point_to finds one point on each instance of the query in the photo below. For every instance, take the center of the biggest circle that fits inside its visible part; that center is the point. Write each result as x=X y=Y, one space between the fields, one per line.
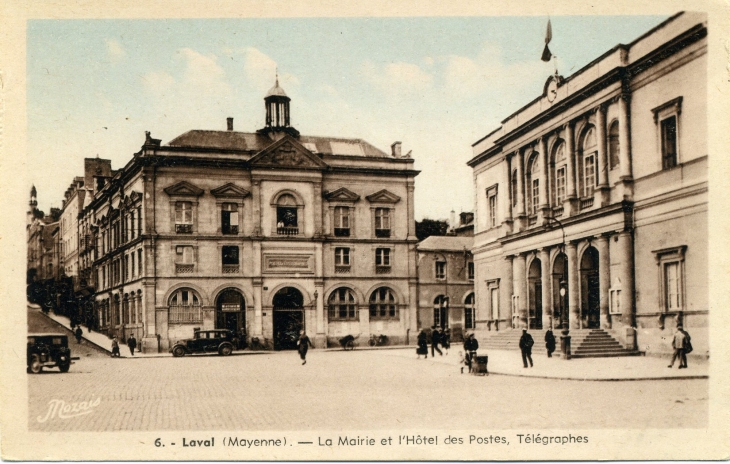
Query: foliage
x=428 y=227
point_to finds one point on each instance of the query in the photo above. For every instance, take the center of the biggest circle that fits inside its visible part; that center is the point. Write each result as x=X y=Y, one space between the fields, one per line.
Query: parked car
x=48 y=350
x=205 y=341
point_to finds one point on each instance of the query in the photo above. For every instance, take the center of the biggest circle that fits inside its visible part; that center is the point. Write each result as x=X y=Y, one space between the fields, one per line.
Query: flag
x=546 y=55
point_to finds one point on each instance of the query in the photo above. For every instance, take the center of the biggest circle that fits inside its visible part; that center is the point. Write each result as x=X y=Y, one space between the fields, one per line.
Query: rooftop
x=445 y=243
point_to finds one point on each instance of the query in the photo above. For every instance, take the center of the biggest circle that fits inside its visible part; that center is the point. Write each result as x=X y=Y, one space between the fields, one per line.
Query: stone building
x=591 y=200
x=260 y=232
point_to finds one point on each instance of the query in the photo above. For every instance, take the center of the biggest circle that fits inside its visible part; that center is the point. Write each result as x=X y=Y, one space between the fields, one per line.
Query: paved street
x=360 y=389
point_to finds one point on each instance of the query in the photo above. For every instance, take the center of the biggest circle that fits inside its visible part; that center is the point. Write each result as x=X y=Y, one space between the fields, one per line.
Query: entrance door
x=534 y=317
x=230 y=311
x=288 y=318
x=590 y=289
x=593 y=315
x=537 y=321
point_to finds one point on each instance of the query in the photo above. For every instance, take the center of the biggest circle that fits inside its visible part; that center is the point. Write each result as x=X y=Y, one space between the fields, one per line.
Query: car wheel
x=178 y=351
x=64 y=367
x=225 y=350
x=35 y=364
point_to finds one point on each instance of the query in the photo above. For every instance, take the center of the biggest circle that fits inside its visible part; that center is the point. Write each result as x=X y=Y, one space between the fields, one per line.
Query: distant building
x=591 y=204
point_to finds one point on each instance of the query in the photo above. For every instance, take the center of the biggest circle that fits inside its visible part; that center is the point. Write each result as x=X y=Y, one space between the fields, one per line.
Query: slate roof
x=445 y=243
x=245 y=141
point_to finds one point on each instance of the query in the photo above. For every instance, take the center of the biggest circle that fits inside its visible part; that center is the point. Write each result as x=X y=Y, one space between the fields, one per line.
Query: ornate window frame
x=663 y=112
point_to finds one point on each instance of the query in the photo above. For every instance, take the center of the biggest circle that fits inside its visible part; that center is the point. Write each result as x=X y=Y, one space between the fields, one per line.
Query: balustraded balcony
x=586 y=203
x=382 y=233
x=558 y=211
x=184 y=228
x=287 y=230
x=342 y=269
x=382 y=269
x=184 y=268
x=231 y=269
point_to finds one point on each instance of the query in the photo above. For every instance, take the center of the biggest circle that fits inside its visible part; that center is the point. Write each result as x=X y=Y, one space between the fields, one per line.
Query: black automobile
x=205 y=341
x=48 y=350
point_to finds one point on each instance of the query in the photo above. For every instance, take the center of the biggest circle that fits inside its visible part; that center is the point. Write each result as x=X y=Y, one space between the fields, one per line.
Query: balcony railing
x=382 y=233
x=532 y=220
x=287 y=230
x=342 y=269
x=382 y=269
x=230 y=230
x=558 y=211
x=342 y=231
x=231 y=269
x=586 y=203
x=184 y=228
x=184 y=268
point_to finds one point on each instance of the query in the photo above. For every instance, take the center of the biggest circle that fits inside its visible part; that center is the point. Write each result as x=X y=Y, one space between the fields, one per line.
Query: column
x=547 y=289
x=256 y=207
x=544 y=179
x=571 y=200
x=321 y=336
x=625 y=253
x=411 y=210
x=573 y=303
x=520 y=287
x=506 y=290
x=521 y=220
x=317 y=197
x=602 y=195
x=258 y=327
x=624 y=138
x=604 y=279
x=149 y=340
x=504 y=197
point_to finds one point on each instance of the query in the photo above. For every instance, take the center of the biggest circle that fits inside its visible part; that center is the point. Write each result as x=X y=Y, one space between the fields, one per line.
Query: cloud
x=115 y=50
x=260 y=70
x=398 y=78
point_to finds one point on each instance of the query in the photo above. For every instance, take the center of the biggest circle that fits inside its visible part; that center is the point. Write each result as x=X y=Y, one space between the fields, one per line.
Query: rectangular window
x=139 y=261
x=342 y=221
x=184 y=254
x=560 y=186
x=132 y=267
x=493 y=211
x=470 y=270
x=230 y=255
x=126 y=267
x=287 y=220
x=183 y=217
x=229 y=218
x=132 y=223
x=441 y=270
x=342 y=256
x=535 y=196
x=672 y=295
x=671 y=278
x=669 y=142
x=382 y=222
x=589 y=166
x=382 y=258
x=469 y=318
x=494 y=302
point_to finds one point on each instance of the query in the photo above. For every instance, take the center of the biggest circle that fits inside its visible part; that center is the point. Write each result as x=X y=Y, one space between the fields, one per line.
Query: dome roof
x=276 y=91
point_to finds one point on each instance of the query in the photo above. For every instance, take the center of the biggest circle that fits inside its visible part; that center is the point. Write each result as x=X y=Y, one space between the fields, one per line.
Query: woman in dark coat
x=422 y=344
x=303 y=345
x=550 y=342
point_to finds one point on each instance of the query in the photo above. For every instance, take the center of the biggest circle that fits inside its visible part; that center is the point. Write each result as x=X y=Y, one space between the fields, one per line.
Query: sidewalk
x=509 y=362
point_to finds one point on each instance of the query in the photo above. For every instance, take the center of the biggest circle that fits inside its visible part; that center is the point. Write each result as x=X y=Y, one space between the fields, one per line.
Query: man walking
x=303 y=344
x=678 y=343
x=132 y=344
x=526 y=343
x=435 y=340
x=78 y=333
x=471 y=345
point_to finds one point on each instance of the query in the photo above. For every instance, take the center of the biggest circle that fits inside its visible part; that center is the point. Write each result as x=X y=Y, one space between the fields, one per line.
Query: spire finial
x=277 y=76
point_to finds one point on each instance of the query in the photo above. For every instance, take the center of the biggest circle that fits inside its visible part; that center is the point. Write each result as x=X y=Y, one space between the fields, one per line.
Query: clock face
x=552 y=91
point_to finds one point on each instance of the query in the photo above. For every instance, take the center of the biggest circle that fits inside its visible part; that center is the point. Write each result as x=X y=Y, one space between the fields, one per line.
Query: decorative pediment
x=229 y=190
x=135 y=196
x=383 y=196
x=342 y=194
x=184 y=189
x=287 y=153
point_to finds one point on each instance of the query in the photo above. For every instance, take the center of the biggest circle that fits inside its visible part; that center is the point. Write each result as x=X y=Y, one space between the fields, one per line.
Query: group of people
x=131 y=343
x=439 y=339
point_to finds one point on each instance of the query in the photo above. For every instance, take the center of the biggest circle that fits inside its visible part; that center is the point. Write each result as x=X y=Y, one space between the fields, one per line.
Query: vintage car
x=48 y=350
x=219 y=341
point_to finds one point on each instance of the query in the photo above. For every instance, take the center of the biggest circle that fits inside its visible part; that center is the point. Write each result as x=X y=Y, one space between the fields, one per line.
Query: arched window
x=139 y=306
x=341 y=305
x=560 y=169
x=469 y=315
x=287 y=221
x=185 y=307
x=533 y=184
x=383 y=304
x=588 y=154
x=613 y=145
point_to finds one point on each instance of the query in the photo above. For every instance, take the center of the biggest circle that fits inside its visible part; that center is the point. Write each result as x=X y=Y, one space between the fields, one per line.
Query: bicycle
x=378 y=340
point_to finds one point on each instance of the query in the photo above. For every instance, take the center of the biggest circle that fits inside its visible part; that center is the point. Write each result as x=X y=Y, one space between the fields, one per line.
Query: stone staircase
x=586 y=343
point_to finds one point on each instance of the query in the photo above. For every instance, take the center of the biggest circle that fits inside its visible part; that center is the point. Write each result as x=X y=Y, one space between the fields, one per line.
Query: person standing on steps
x=132 y=344
x=549 y=342
x=303 y=345
x=526 y=343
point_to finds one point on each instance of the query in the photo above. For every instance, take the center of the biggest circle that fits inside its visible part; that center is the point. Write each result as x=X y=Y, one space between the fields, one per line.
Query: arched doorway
x=534 y=279
x=230 y=311
x=560 y=292
x=590 y=294
x=288 y=318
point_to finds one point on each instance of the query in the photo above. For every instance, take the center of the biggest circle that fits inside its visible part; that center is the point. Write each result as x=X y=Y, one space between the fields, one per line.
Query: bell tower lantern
x=278 y=114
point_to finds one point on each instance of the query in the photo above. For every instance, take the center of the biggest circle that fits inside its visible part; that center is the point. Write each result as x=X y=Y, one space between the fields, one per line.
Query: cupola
x=278 y=114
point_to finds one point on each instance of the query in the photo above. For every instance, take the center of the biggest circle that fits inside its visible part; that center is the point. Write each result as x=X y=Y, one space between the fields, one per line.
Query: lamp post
x=564 y=323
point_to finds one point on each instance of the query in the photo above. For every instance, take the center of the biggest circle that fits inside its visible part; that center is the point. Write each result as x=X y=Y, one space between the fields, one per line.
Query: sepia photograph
x=274 y=231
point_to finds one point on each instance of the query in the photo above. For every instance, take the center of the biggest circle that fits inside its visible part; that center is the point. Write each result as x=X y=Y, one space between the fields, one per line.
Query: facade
x=591 y=201
x=446 y=284
x=263 y=233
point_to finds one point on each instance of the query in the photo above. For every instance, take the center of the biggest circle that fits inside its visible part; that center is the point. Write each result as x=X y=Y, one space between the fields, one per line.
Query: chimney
x=230 y=124
x=395 y=149
x=452 y=220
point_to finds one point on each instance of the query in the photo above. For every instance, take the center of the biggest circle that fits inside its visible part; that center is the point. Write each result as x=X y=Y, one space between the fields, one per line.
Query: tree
x=428 y=227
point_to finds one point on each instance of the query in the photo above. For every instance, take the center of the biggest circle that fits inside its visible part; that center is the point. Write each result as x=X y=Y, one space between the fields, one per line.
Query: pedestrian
x=446 y=339
x=115 y=348
x=687 y=345
x=471 y=345
x=303 y=345
x=526 y=343
x=422 y=344
x=78 y=333
x=132 y=344
x=679 y=343
x=550 y=342
x=435 y=340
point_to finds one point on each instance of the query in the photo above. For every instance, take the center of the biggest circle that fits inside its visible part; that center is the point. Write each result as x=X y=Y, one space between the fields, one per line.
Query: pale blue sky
x=436 y=84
